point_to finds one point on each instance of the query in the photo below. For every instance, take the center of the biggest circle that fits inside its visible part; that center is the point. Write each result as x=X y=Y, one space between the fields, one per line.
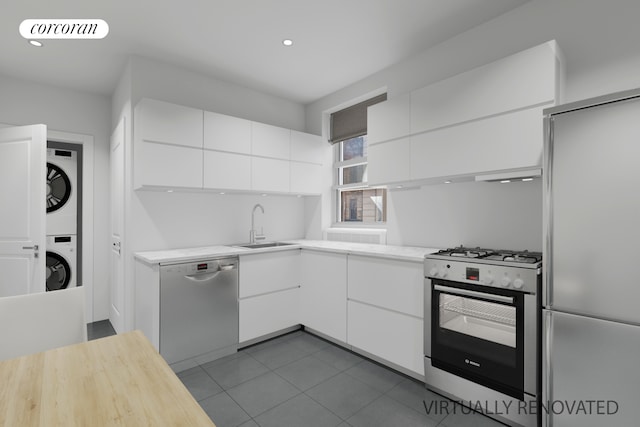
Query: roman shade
x=352 y=121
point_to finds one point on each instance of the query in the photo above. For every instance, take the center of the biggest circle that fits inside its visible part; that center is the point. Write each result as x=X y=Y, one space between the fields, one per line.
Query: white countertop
x=405 y=253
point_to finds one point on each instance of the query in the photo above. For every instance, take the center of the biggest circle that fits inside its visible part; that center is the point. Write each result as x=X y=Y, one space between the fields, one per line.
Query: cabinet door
x=389 y=162
x=159 y=121
x=264 y=314
x=306 y=178
x=167 y=165
x=227 y=133
x=270 y=141
x=269 y=175
x=227 y=171
x=508 y=141
x=269 y=272
x=308 y=148
x=389 y=119
x=392 y=284
x=323 y=297
x=518 y=81
x=393 y=336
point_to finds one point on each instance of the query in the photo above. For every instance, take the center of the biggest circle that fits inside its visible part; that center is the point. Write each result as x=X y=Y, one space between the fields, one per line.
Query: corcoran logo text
x=32 y=29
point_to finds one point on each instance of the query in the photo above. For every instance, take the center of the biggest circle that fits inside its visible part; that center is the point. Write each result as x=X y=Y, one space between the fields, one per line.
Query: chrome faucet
x=253 y=236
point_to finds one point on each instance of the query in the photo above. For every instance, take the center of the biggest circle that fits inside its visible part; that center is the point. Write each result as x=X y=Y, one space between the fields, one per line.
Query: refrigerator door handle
x=547 y=369
x=547 y=264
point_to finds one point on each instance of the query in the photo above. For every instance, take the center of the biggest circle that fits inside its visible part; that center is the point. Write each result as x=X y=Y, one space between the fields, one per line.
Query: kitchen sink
x=263 y=245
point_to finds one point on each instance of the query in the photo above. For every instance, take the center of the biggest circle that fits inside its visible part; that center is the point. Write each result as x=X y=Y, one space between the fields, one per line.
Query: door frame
x=87 y=208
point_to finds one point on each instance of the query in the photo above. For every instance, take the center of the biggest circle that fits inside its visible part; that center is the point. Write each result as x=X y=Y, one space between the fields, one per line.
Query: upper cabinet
x=226 y=133
x=168 y=145
x=482 y=121
x=270 y=141
x=182 y=147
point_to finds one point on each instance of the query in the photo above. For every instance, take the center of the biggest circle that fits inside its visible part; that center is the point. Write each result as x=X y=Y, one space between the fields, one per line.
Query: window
x=356 y=201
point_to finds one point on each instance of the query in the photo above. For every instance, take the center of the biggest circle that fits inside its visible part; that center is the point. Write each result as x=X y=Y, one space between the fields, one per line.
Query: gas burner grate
x=462 y=252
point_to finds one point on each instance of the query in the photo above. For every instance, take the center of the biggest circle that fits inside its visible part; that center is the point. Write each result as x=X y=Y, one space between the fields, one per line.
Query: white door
x=116 y=308
x=22 y=209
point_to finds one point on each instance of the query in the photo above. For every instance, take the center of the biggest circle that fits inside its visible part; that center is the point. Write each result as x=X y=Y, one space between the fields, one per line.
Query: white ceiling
x=336 y=42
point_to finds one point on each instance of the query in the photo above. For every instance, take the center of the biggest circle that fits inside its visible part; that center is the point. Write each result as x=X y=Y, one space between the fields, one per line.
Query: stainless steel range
x=482 y=336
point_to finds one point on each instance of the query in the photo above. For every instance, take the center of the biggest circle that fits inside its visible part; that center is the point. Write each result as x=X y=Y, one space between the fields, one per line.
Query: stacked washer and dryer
x=62 y=219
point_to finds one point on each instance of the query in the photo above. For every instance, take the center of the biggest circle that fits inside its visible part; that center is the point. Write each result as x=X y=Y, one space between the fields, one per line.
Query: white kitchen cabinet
x=392 y=336
x=389 y=119
x=389 y=162
x=323 y=293
x=166 y=165
x=226 y=133
x=308 y=148
x=386 y=299
x=265 y=314
x=268 y=272
x=226 y=171
x=270 y=175
x=392 y=284
x=306 y=178
x=483 y=121
x=524 y=79
x=507 y=141
x=270 y=141
x=269 y=288
x=167 y=145
x=163 y=122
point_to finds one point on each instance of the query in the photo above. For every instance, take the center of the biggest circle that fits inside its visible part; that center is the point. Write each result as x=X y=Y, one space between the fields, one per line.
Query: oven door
x=478 y=333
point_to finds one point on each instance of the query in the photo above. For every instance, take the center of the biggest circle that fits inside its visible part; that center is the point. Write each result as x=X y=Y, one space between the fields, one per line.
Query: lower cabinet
x=387 y=334
x=264 y=314
x=269 y=293
x=323 y=293
x=386 y=299
x=369 y=303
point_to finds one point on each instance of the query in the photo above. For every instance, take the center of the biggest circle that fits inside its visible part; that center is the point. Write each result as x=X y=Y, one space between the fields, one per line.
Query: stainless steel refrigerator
x=591 y=293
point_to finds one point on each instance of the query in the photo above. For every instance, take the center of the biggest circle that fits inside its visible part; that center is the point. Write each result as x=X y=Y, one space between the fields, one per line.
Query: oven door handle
x=465 y=292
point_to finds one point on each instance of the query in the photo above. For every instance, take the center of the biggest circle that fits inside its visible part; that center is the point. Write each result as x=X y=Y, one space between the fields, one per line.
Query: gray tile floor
x=99 y=329
x=300 y=380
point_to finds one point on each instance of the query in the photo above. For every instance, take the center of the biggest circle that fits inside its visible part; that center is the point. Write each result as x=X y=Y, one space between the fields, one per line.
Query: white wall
x=473 y=214
x=599 y=42
x=179 y=219
x=66 y=110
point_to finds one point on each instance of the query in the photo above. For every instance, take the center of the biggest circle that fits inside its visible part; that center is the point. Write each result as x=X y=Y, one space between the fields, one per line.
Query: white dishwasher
x=198 y=311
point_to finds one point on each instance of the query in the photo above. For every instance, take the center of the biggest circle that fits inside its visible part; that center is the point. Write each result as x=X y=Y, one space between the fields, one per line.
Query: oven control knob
x=518 y=283
x=506 y=281
x=433 y=272
x=488 y=279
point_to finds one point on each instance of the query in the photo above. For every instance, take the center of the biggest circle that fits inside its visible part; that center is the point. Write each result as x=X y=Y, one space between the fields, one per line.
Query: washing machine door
x=58 y=272
x=58 y=188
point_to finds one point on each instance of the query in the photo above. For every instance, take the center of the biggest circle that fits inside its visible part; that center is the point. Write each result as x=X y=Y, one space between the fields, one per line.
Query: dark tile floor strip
x=300 y=380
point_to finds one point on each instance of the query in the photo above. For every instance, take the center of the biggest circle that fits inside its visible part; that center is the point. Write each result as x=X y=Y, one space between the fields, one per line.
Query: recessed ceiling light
x=169 y=191
x=527 y=179
x=35 y=43
x=222 y=192
x=447 y=182
x=287 y=42
x=505 y=181
x=264 y=195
